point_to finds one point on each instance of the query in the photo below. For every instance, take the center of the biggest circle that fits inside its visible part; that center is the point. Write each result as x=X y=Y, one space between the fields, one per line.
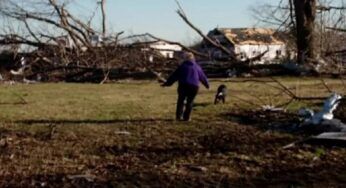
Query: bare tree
x=103 y=4
x=45 y=19
x=305 y=14
x=314 y=26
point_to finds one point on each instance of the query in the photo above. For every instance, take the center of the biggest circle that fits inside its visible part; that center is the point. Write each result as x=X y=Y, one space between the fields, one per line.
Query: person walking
x=189 y=76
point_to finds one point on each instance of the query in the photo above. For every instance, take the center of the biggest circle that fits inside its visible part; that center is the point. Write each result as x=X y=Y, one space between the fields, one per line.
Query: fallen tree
x=80 y=53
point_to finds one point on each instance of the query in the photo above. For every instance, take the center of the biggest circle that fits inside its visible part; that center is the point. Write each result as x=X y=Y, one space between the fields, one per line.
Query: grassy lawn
x=124 y=135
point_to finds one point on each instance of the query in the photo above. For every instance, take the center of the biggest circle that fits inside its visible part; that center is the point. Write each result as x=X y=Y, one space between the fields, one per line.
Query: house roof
x=153 y=41
x=149 y=42
x=251 y=36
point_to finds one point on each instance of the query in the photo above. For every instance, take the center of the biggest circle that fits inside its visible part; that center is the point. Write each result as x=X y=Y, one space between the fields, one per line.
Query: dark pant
x=185 y=93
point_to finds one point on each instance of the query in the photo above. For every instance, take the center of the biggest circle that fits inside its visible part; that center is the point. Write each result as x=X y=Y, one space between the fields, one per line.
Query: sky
x=158 y=17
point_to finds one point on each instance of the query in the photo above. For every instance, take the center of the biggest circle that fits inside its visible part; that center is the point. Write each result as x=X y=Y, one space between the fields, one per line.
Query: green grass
x=87 y=118
x=134 y=100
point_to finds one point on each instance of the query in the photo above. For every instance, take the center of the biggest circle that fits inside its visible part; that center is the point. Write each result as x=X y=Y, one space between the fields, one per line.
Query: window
x=278 y=52
x=242 y=55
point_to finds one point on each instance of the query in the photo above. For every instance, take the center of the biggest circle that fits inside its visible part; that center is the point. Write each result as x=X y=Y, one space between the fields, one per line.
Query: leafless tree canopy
x=64 y=42
x=67 y=47
x=316 y=28
x=36 y=22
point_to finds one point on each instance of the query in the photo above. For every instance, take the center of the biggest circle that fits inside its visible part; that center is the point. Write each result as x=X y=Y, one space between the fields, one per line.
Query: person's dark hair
x=188 y=56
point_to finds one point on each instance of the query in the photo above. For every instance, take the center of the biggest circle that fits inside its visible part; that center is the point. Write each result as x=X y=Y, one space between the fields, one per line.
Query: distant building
x=165 y=49
x=9 y=48
x=246 y=43
x=64 y=41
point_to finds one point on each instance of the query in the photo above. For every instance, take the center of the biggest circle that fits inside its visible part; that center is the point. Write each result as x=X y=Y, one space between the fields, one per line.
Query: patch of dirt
x=204 y=154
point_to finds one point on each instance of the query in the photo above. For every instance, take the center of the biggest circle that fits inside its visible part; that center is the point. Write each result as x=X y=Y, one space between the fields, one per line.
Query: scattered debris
x=195 y=168
x=322 y=121
x=327 y=112
x=270 y=108
x=21 y=69
x=122 y=133
x=3 y=143
x=89 y=178
x=329 y=139
x=26 y=81
x=305 y=113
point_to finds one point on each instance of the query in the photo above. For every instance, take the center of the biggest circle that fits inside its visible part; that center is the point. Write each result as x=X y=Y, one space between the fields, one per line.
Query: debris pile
x=324 y=120
x=97 y=64
x=322 y=127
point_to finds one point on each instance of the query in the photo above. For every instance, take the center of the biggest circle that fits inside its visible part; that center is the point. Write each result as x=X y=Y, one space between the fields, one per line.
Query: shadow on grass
x=13 y=103
x=203 y=104
x=92 y=121
x=280 y=121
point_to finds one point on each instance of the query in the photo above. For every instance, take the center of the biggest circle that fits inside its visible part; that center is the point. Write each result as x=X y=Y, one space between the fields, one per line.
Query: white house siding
x=9 y=48
x=167 y=50
x=252 y=50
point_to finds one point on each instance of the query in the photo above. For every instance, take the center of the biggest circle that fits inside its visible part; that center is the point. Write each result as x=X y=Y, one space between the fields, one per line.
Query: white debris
x=22 y=61
x=272 y=108
x=26 y=81
x=122 y=133
x=306 y=113
x=11 y=82
x=87 y=177
x=325 y=114
x=21 y=70
x=231 y=73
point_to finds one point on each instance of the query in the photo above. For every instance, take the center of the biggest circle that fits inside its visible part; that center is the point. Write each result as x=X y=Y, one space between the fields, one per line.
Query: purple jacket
x=188 y=73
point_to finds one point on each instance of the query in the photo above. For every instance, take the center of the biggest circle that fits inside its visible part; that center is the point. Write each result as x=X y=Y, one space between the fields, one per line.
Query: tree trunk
x=305 y=11
x=103 y=17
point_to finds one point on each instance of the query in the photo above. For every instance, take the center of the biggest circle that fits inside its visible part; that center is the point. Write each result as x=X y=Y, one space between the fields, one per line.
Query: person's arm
x=172 y=78
x=203 y=78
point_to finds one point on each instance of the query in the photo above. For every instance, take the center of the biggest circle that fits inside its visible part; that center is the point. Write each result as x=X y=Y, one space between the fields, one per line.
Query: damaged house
x=246 y=43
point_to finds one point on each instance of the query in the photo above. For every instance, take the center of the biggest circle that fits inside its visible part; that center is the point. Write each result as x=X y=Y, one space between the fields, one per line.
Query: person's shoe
x=187 y=120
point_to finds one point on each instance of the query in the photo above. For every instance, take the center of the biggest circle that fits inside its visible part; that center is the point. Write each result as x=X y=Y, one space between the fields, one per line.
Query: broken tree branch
x=206 y=38
x=336 y=29
x=102 y=2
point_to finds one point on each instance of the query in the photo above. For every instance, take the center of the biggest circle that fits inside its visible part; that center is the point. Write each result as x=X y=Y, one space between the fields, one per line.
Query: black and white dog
x=221 y=94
